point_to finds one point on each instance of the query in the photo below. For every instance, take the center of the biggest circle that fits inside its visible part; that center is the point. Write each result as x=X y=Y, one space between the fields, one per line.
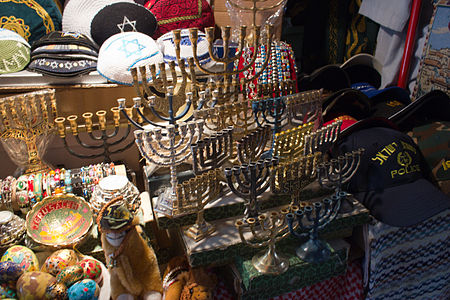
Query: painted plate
x=61 y=220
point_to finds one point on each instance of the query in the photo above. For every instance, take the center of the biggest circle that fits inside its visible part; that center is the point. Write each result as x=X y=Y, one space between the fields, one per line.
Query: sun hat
x=14 y=52
x=78 y=14
x=180 y=14
x=126 y=50
x=167 y=46
x=30 y=19
x=122 y=17
x=393 y=179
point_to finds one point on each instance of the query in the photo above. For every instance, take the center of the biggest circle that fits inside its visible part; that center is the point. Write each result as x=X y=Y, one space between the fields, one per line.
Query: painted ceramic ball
x=86 y=289
x=59 y=260
x=23 y=256
x=92 y=269
x=70 y=275
x=10 y=271
x=6 y=292
x=56 y=291
x=32 y=285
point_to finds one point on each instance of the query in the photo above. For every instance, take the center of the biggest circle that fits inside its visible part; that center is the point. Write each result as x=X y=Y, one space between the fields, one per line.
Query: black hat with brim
x=393 y=180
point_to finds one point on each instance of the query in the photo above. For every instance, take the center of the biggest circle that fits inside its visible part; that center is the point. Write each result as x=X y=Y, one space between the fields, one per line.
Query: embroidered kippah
x=122 y=17
x=179 y=14
x=78 y=14
x=126 y=50
x=14 y=52
x=29 y=18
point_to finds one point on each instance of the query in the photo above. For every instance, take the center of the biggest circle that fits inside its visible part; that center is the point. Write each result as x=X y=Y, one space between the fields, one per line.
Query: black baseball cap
x=349 y=102
x=431 y=107
x=393 y=179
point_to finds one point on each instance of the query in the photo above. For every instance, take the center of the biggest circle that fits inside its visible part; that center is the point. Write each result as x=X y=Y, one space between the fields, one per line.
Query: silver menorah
x=252 y=146
x=250 y=181
x=323 y=138
x=267 y=234
x=310 y=219
x=170 y=147
x=213 y=151
x=304 y=107
x=337 y=171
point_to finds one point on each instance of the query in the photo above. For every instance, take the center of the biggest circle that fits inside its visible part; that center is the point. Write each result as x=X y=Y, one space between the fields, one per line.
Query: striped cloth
x=408 y=262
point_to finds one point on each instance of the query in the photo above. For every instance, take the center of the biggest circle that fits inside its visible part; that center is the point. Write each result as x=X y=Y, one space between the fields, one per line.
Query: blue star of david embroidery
x=131 y=47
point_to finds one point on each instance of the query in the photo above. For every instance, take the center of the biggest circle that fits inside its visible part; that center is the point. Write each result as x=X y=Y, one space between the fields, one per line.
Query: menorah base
x=165 y=203
x=314 y=251
x=35 y=168
x=270 y=262
x=197 y=232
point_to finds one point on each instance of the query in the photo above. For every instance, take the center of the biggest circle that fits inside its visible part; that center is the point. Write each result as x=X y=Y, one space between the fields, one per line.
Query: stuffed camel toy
x=131 y=262
x=186 y=283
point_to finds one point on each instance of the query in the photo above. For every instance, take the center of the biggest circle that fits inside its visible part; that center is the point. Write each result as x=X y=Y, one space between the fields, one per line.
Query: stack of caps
x=12 y=229
x=14 y=52
x=63 y=54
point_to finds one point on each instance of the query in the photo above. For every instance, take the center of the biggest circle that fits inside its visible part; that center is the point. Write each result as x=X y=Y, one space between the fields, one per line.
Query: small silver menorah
x=323 y=138
x=252 y=146
x=337 y=171
x=249 y=181
x=168 y=146
x=213 y=151
x=310 y=219
x=266 y=234
x=304 y=107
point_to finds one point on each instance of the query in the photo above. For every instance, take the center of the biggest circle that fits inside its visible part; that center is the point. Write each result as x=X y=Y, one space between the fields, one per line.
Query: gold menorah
x=266 y=231
x=290 y=143
x=237 y=114
x=101 y=144
x=292 y=176
x=26 y=125
x=192 y=196
x=226 y=60
x=304 y=107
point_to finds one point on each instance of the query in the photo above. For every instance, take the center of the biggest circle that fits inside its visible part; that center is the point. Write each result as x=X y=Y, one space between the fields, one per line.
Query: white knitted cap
x=78 y=14
x=9 y=35
x=126 y=50
x=167 y=46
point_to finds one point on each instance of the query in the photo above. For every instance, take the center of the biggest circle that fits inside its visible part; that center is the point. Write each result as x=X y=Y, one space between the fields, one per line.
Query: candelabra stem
x=270 y=262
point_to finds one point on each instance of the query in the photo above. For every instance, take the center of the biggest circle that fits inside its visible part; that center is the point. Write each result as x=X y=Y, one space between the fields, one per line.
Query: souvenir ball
x=59 y=260
x=167 y=46
x=32 y=285
x=92 y=269
x=6 y=292
x=22 y=256
x=56 y=291
x=85 y=289
x=10 y=271
x=124 y=51
x=70 y=275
